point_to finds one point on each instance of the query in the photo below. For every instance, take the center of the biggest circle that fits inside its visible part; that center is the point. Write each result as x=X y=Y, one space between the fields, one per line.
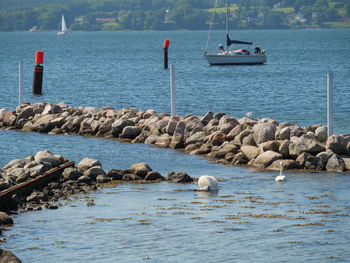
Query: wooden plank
x=27 y=186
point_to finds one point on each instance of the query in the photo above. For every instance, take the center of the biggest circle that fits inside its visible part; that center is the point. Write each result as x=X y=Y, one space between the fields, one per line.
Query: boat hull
x=227 y=59
x=61 y=33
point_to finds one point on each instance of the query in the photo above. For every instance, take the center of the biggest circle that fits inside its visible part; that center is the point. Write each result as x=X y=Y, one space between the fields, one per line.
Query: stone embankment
x=260 y=143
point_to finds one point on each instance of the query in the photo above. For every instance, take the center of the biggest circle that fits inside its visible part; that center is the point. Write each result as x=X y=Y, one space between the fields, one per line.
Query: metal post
x=20 y=98
x=330 y=104
x=172 y=90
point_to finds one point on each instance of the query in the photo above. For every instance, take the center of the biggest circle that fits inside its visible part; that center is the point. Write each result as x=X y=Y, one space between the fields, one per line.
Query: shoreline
x=255 y=143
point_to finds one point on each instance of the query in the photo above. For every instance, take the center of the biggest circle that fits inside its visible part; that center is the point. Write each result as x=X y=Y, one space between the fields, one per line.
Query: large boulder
x=304 y=143
x=264 y=132
x=321 y=134
x=47 y=156
x=8 y=257
x=140 y=169
x=336 y=144
x=163 y=141
x=207 y=118
x=335 y=164
x=87 y=163
x=266 y=158
x=5 y=219
x=119 y=125
x=153 y=175
x=250 y=151
x=195 y=138
x=179 y=177
x=130 y=132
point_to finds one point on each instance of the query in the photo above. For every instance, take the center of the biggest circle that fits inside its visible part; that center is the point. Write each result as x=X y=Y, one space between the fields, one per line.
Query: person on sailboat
x=221 y=49
x=257 y=50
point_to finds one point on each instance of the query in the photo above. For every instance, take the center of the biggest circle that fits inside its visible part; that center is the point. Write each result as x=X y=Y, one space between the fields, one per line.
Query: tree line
x=20 y=15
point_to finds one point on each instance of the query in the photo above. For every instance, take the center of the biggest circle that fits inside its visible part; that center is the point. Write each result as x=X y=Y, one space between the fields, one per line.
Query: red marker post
x=38 y=73
x=165 y=49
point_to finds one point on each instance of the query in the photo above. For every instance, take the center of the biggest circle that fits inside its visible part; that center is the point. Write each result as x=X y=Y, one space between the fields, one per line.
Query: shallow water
x=251 y=218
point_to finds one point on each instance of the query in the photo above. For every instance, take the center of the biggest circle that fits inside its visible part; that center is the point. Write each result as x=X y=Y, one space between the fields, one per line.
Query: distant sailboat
x=63 y=28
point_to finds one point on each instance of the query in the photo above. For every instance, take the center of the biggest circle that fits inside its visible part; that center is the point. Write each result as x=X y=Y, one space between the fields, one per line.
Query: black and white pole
x=172 y=90
x=20 y=91
x=330 y=104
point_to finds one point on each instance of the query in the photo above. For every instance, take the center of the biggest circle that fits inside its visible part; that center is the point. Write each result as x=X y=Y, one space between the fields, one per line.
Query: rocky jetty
x=260 y=143
x=86 y=176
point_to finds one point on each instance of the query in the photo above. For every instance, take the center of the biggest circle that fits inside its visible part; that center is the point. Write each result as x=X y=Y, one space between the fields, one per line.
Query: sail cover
x=229 y=42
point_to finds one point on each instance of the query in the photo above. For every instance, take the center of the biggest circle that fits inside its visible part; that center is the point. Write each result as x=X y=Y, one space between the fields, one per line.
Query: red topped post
x=38 y=73
x=165 y=50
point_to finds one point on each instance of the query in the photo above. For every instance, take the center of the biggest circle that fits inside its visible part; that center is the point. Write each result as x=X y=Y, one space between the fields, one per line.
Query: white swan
x=280 y=177
x=207 y=183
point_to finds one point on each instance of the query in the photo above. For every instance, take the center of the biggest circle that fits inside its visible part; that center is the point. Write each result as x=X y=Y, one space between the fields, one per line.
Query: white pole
x=172 y=90
x=20 y=83
x=330 y=104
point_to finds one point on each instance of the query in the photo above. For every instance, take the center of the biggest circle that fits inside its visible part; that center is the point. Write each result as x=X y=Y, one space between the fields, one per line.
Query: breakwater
x=260 y=143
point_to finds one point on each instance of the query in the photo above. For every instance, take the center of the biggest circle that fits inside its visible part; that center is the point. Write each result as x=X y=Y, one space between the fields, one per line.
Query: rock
x=179 y=177
x=239 y=138
x=71 y=173
x=103 y=178
x=9 y=118
x=288 y=164
x=264 y=132
x=17 y=163
x=250 y=152
x=195 y=138
x=131 y=177
x=336 y=144
x=347 y=163
x=119 y=125
x=239 y=159
x=140 y=169
x=266 y=158
x=84 y=179
x=284 y=148
x=43 y=124
x=335 y=164
x=321 y=134
x=8 y=257
x=177 y=141
x=304 y=144
x=26 y=113
x=87 y=163
x=249 y=140
x=5 y=219
x=163 y=141
x=171 y=127
x=93 y=172
x=219 y=139
x=325 y=156
x=180 y=128
x=284 y=133
x=52 y=109
x=207 y=117
x=118 y=174
x=269 y=146
x=151 y=139
x=234 y=132
x=46 y=156
x=302 y=158
x=153 y=175
x=130 y=132
x=310 y=162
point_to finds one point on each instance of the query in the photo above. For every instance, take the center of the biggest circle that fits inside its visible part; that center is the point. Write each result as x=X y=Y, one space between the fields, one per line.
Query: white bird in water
x=207 y=183
x=280 y=177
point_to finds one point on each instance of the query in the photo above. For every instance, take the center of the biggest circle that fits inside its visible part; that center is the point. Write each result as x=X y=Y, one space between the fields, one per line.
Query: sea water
x=251 y=218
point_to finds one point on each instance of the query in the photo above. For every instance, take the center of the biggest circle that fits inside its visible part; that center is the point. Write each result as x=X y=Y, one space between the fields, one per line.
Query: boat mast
x=226 y=17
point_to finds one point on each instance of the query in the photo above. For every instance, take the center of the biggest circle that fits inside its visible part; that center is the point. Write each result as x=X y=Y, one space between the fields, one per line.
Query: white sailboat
x=233 y=57
x=63 y=28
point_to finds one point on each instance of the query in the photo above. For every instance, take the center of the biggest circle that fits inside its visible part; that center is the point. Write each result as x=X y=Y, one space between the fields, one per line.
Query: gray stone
x=179 y=177
x=140 y=169
x=250 y=152
x=266 y=158
x=87 y=163
x=336 y=144
x=163 y=141
x=46 y=156
x=153 y=175
x=119 y=125
x=197 y=137
x=335 y=164
x=207 y=117
x=130 y=132
x=93 y=172
x=5 y=219
x=264 y=132
x=304 y=144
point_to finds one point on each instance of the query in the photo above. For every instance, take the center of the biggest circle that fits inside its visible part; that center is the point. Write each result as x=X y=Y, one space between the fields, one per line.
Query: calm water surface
x=251 y=218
